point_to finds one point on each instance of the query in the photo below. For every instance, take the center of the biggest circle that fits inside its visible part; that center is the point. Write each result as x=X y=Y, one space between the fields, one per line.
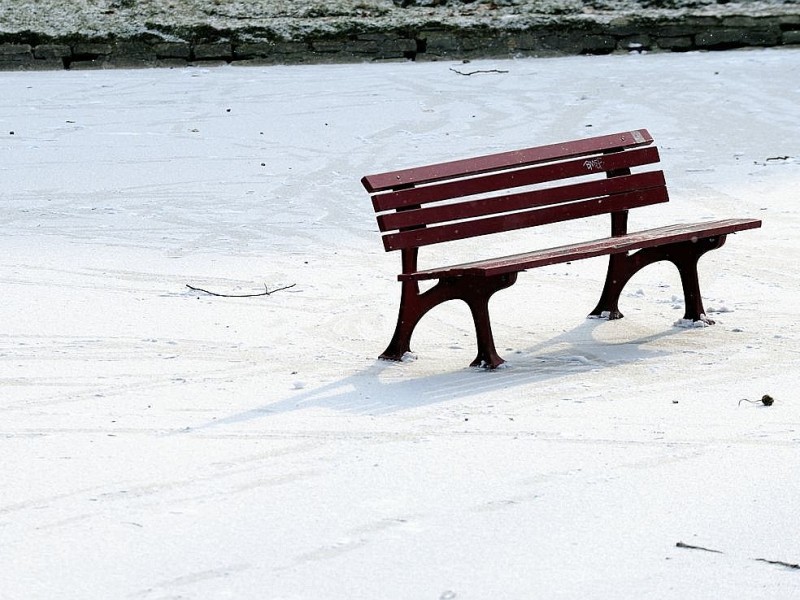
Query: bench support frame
x=475 y=291
x=684 y=255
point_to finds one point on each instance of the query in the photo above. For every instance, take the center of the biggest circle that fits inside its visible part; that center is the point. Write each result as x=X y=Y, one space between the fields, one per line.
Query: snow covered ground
x=162 y=443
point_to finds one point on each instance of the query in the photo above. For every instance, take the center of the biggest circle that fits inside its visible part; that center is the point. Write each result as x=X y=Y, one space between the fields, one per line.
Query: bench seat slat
x=516 y=178
x=416 y=238
x=612 y=245
x=504 y=160
x=520 y=201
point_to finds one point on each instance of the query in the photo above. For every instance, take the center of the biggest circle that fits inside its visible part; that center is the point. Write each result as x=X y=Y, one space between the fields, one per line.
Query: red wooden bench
x=502 y=192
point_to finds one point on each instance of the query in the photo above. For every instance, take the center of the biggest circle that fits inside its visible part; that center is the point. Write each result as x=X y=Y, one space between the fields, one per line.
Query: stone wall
x=29 y=51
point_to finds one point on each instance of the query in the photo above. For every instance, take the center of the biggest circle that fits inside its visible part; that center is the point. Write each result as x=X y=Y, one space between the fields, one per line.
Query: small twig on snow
x=467 y=74
x=779 y=562
x=266 y=292
x=690 y=547
x=766 y=400
x=764 y=560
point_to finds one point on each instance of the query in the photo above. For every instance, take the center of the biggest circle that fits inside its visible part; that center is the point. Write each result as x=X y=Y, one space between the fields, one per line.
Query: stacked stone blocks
x=431 y=43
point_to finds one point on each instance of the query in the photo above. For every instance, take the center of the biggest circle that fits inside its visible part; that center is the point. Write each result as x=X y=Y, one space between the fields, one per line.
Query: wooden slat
x=470 y=209
x=612 y=245
x=519 y=220
x=516 y=178
x=504 y=160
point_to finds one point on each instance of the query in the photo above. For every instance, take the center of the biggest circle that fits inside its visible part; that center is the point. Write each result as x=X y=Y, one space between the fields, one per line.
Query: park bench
x=525 y=188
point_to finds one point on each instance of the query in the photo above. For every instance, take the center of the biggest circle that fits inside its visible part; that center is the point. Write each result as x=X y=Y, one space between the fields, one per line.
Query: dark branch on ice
x=266 y=292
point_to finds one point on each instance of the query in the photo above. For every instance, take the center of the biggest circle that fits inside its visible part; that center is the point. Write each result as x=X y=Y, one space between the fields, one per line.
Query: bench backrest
x=472 y=197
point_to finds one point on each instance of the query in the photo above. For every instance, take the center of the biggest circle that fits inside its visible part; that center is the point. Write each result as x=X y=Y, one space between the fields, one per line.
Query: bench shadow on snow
x=386 y=387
